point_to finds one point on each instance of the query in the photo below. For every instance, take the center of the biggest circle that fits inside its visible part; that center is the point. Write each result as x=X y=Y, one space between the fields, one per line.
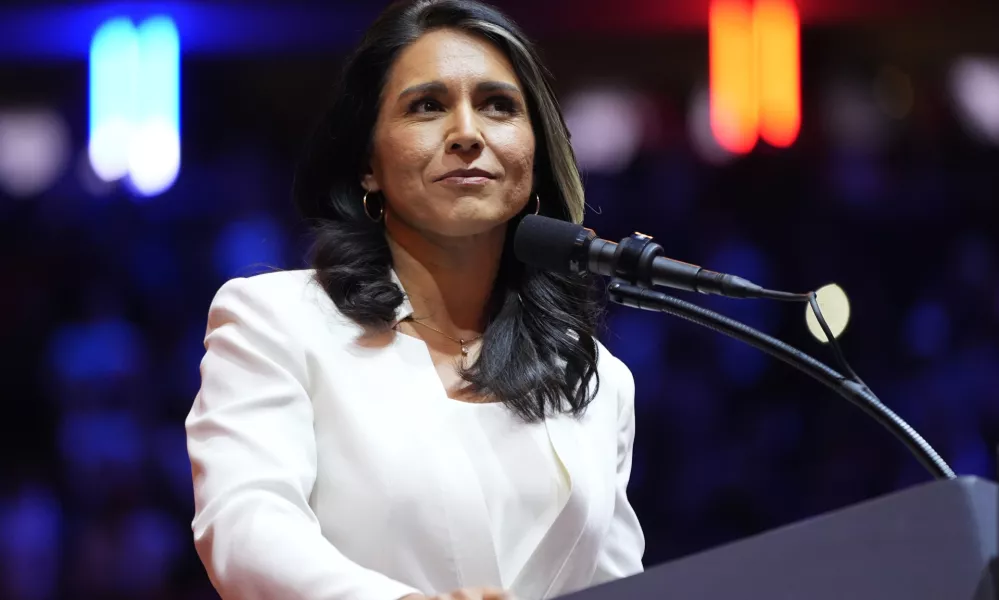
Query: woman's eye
x=502 y=104
x=424 y=105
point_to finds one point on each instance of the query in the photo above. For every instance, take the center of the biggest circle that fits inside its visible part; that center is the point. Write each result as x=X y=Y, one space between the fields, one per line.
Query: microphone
x=561 y=246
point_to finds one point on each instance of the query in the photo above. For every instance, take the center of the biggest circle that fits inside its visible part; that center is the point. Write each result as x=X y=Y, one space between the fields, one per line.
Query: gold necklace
x=460 y=341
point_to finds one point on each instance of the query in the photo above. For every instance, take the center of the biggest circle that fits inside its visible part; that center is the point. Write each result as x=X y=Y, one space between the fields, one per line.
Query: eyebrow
x=437 y=87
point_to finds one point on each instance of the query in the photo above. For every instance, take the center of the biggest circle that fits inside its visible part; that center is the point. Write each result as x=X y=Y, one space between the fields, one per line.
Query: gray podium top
x=935 y=541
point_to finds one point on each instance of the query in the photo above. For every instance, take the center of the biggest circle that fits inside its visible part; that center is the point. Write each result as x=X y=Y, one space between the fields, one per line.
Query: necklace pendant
x=464 y=348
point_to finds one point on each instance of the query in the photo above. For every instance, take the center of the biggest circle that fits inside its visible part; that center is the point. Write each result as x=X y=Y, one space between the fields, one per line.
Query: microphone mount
x=635 y=255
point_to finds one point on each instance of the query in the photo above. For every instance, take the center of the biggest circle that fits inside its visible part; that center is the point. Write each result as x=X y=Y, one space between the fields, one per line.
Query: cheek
x=515 y=147
x=403 y=155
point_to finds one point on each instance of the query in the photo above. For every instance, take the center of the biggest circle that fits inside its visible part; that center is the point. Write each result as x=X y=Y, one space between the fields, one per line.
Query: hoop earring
x=364 y=206
x=537 y=206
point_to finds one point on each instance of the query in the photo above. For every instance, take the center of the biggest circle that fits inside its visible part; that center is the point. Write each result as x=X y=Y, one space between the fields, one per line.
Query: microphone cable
x=813 y=301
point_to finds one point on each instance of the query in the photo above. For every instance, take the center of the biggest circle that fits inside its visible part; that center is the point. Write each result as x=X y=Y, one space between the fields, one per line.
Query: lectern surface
x=936 y=541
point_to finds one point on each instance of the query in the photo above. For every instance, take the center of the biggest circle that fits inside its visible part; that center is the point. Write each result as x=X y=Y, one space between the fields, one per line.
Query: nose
x=465 y=135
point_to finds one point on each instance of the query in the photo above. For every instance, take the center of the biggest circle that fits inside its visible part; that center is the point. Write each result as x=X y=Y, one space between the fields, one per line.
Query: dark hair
x=538 y=351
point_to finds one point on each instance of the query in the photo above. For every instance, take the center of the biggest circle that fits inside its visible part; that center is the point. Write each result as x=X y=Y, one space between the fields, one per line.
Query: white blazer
x=318 y=474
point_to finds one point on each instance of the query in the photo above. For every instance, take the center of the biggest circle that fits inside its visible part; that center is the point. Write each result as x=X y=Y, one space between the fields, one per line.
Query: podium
x=935 y=541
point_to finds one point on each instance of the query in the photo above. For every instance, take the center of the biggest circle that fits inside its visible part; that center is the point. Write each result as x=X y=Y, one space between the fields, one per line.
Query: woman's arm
x=623 y=547
x=253 y=457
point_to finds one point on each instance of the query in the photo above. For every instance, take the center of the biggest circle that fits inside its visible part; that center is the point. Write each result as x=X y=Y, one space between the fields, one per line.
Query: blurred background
x=146 y=156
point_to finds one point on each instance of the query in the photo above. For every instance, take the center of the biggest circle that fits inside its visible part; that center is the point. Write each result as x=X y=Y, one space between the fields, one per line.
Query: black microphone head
x=551 y=244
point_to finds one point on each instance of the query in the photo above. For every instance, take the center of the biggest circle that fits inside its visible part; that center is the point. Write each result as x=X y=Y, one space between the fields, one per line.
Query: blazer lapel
x=467 y=515
x=564 y=555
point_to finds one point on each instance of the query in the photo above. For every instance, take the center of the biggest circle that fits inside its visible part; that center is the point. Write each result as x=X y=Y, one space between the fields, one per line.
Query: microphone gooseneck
x=636 y=263
x=857 y=393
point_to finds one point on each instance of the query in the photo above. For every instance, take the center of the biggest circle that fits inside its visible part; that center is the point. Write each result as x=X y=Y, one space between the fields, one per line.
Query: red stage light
x=734 y=106
x=778 y=70
x=755 y=72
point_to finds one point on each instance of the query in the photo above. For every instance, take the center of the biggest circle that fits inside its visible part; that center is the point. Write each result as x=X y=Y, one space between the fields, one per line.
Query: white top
x=330 y=465
x=522 y=480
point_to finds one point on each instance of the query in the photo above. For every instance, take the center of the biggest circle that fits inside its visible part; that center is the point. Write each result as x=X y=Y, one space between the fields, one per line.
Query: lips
x=466 y=174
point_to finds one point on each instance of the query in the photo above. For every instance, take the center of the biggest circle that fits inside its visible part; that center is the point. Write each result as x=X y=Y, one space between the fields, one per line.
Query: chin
x=474 y=217
x=468 y=227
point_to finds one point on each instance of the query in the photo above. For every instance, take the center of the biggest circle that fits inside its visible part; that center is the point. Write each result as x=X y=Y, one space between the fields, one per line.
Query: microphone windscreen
x=546 y=243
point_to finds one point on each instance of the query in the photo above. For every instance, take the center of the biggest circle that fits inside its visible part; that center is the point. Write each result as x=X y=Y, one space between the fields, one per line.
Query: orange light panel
x=733 y=97
x=776 y=27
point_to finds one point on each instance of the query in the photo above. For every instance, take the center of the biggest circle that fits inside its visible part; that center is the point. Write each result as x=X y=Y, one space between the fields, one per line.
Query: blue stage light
x=114 y=68
x=135 y=103
x=154 y=156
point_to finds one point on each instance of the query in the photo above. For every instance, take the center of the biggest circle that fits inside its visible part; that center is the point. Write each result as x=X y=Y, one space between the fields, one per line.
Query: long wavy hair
x=538 y=353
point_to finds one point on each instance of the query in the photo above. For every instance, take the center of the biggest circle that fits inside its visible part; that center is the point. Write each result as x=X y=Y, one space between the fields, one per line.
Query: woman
x=419 y=415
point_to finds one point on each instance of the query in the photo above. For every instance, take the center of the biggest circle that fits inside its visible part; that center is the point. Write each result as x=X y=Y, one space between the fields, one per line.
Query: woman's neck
x=449 y=281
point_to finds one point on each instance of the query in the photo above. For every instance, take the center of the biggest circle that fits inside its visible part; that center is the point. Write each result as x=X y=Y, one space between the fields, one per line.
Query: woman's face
x=453 y=150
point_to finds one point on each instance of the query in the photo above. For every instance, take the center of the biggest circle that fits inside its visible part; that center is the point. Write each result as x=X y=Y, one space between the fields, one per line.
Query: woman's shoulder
x=613 y=372
x=271 y=288
x=284 y=296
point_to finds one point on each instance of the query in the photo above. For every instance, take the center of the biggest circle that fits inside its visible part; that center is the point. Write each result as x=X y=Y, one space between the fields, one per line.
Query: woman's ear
x=370 y=183
x=369 y=180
